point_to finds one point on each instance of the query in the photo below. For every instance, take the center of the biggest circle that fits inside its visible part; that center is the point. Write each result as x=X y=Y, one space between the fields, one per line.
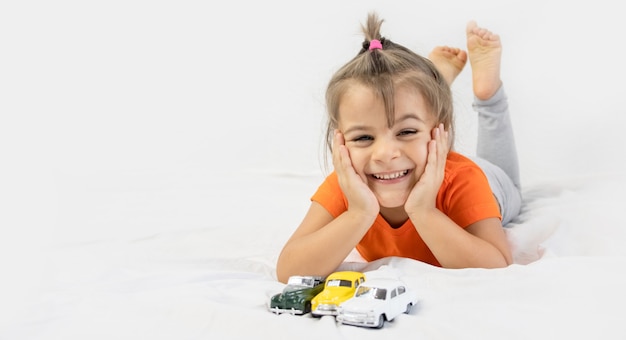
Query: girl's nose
x=385 y=150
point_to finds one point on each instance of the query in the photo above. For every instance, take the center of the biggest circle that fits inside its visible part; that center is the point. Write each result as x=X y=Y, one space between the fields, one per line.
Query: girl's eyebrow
x=402 y=118
x=408 y=116
x=356 y=128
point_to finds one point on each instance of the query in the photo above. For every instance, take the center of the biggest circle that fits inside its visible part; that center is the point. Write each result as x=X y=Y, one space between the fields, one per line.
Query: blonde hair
x=384 y=70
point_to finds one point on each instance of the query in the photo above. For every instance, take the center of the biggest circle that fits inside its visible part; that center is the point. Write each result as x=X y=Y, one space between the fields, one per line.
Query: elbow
x=502 y=262
x=281 y=276
x=505 y=262
x=501 y=265
x=508 y=258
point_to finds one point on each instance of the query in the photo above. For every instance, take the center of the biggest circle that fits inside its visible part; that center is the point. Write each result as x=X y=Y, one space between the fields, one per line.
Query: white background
x=128 y=117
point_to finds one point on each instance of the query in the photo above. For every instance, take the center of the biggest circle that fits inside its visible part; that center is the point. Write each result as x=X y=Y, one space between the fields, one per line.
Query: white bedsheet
x=215 y=282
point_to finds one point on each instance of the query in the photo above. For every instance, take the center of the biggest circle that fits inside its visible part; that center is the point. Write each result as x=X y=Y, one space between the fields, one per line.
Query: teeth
x=392 y=175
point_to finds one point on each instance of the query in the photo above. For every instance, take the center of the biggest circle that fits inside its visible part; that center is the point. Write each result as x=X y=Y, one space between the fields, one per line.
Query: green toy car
x=297 y=295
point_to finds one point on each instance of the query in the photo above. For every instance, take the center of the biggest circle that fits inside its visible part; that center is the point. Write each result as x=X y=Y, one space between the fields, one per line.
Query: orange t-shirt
x=464 y=196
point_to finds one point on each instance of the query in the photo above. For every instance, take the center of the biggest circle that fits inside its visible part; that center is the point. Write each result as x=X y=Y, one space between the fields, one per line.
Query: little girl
x=398 y=188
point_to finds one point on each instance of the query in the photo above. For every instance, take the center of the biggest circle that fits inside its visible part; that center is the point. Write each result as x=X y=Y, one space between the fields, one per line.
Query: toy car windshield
x=338 y=283
x=299 y=282
x=371 y=292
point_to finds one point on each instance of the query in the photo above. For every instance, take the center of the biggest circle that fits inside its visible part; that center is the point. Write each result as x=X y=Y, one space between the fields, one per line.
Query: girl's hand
x=424 y=193
x=360 y=197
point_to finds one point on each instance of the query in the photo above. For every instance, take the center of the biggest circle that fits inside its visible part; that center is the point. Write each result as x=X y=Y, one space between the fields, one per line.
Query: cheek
x=419 y=156
x=423 y=152
x=420 y=152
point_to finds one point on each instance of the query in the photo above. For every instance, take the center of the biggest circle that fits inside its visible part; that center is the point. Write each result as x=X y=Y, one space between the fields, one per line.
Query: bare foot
x=484 y=49
x=449 y=61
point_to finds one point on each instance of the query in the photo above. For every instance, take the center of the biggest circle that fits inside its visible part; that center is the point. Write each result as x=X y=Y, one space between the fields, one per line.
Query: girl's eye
x=363 y=138
x=407 y=132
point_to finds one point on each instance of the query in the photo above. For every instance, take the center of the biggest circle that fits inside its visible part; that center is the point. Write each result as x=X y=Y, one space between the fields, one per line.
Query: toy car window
x=339 y=283
x=294 y=280
x=401 y=290
x=300 y=282
x=393 y=293
x=362 y=291
x=303 y=281
x=308 y=282
x=371 y=292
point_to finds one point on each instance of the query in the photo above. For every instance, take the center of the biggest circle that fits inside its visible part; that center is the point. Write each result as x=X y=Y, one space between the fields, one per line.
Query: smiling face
x=389 y=159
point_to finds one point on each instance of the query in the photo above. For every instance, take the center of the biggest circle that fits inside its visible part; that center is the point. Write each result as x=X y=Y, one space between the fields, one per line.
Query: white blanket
x=215 y=282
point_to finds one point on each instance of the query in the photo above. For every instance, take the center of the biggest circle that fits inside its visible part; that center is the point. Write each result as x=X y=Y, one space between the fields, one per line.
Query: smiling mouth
x=391 y=175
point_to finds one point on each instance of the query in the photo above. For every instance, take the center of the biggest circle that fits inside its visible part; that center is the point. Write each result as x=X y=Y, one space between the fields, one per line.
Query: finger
x=445 y=139
x=435 y=147
x=432 y=152
x=341 y=155
x=442 y=141
x=344 y=155
x=440 y=135
x=431 y=160
x=338 y=141
x=340 y=138
x=437 y=153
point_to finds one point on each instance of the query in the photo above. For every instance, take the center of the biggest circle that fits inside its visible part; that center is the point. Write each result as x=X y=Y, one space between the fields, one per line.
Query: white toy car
x=376 y=301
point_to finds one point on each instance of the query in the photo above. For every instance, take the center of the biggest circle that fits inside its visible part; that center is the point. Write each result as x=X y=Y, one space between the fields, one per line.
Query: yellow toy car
x=339 y=287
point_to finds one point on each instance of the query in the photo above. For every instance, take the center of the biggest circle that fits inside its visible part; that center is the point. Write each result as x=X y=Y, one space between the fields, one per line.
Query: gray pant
x=497 y=155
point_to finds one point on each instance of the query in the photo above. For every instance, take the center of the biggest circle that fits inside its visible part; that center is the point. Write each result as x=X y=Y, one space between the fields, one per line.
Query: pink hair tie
x=375 y=45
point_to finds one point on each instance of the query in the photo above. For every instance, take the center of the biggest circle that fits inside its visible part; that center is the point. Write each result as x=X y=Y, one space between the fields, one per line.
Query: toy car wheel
x=307 y=308
x=408 y=308
x=381 y=321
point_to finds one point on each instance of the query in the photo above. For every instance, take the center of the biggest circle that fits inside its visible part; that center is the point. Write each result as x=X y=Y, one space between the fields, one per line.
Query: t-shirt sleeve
x=467 y=197
x=330 y=196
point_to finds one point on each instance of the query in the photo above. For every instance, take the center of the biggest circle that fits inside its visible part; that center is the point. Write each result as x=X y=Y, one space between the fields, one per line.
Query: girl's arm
x=482 y=244
x=321 y=242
